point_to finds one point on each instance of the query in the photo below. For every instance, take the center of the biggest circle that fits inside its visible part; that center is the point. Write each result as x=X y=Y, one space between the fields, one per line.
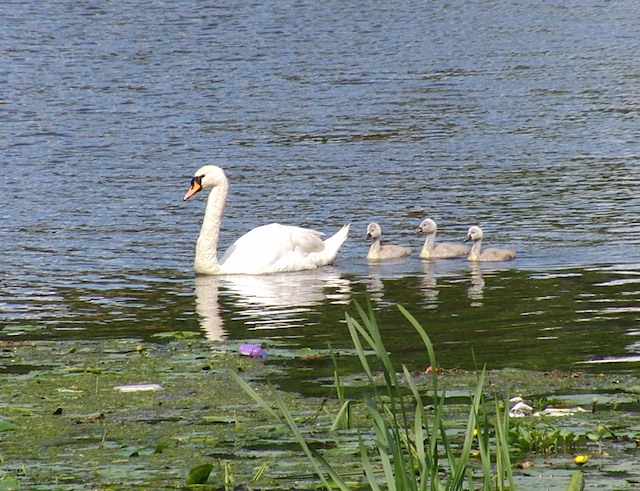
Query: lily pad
x=199 y=475
x=6 y=426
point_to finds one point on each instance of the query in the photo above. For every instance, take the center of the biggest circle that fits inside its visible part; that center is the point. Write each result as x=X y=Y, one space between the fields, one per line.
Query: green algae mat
x=101 y=415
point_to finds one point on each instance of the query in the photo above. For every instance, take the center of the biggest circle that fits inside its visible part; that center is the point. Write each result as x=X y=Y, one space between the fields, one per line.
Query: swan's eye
x=197 y=180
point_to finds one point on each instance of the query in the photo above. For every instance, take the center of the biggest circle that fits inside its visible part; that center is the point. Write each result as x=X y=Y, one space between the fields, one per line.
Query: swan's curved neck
x=206 y=261
x=475 y=249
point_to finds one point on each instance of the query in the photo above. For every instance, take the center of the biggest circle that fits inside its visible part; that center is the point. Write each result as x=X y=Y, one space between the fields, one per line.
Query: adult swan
x=272 y=248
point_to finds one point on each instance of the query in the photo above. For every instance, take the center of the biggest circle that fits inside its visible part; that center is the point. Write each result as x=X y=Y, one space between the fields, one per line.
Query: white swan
x=376 y=251
x=441 y=251
x=492 y=254
x=272 y=248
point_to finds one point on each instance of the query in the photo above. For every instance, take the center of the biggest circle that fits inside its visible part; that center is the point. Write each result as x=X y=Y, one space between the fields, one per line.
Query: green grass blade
x=374 y=339
x=409 y=439
x=342 y=419
x=254 y=395
x=366 y=465
x=485 y=453
x=420 y=438
x=313 y=456
x=354 y=329
x=459 y=467
x=503 y=458
x=426 y=341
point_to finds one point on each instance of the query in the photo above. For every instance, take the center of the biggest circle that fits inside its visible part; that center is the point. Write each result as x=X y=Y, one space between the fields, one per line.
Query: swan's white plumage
x=443 y=250
x=388 y=251
x=491 y=254
x=272 y=248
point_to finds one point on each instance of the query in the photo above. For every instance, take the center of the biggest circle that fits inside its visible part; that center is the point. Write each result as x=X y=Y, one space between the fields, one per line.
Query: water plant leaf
x=577 y=482
x=199 y=475
x=6 y=426
x=9 y=484
x=342 y=450
x=177 y=334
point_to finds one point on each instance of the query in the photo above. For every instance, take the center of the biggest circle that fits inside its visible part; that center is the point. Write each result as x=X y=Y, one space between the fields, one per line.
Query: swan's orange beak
x=195 y=187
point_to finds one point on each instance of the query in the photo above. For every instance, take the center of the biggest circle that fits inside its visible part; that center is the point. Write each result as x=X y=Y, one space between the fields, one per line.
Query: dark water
x=522 y=117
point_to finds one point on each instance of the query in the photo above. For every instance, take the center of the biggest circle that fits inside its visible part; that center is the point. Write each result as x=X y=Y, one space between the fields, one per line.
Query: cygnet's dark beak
x=368 y=236
x=467 y=239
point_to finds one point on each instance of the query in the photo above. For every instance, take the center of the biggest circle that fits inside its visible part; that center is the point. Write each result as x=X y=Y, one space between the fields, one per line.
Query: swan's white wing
x=272 y=248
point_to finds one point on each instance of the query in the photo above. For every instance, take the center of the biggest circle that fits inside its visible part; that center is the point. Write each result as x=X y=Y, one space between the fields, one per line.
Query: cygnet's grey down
x=377 y=251
x=441 y=251
x=491 y=254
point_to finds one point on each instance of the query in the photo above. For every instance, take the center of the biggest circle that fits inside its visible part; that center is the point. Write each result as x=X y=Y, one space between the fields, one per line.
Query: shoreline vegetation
x=181 y=412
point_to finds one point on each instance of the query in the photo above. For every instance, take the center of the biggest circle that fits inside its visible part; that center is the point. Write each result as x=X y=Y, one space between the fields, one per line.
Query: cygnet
x=491 y=254
x=377 y=251
x=441 y=251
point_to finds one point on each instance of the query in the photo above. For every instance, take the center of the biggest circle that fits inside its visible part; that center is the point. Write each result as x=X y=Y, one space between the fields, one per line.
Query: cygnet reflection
x=476 y=289
x=375 y=286
x=386 y=278
x=428 y=282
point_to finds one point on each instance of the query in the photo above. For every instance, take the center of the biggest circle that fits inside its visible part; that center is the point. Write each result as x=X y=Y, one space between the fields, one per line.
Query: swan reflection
x=271 y=301
x=207 y=307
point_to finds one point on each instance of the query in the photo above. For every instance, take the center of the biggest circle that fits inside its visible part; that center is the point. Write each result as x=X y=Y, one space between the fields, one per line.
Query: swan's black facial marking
x=196 y=186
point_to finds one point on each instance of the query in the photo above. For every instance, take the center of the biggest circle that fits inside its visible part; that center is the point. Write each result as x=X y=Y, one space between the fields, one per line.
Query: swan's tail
x=332 y=244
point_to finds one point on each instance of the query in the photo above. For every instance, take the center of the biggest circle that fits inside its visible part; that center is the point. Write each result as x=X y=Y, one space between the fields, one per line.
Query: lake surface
x=521 y=117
